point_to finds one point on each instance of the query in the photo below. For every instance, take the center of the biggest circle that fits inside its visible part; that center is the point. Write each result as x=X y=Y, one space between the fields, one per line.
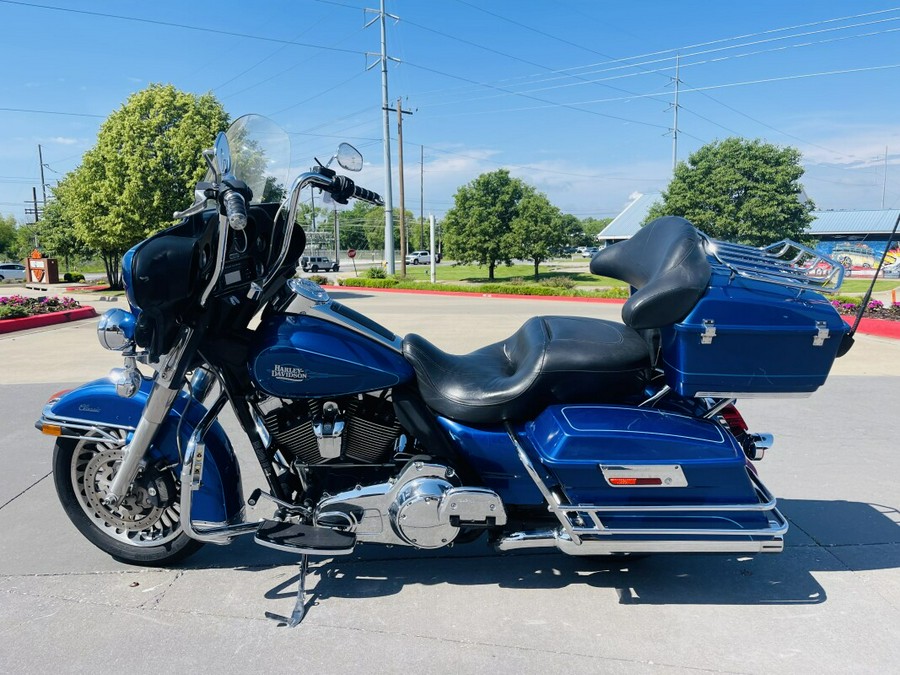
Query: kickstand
x=300 y=604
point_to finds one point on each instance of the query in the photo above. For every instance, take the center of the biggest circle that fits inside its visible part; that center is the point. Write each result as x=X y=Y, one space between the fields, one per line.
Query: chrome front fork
x=162 y=396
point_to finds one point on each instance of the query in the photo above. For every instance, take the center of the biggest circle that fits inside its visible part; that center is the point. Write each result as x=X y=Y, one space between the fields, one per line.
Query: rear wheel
x=145 y=528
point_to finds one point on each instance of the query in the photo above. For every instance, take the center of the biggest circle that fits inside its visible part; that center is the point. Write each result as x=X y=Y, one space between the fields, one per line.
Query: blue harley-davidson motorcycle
x=590 y=436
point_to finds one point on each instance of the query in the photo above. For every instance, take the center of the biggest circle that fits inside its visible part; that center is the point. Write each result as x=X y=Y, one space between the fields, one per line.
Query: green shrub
x=375 y=273
x=559 y=282
x=12 y=312
x=490 y=289
x=362 y=282
x=319 y=279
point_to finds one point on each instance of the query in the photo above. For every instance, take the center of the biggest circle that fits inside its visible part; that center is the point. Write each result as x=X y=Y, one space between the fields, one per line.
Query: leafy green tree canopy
x=7 y=237
x=538 y=229
x=477 y=229
x=143 y=168
x=740 y=191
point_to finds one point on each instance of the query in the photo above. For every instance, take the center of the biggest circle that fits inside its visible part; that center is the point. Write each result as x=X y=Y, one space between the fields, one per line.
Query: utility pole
x=400 y=113
x=675 y=108
x=422 y=198
x=383 y=58
x=337 y=236
x=43 y=182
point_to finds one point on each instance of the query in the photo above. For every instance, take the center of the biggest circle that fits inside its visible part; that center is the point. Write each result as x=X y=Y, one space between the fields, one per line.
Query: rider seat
x=550 y=359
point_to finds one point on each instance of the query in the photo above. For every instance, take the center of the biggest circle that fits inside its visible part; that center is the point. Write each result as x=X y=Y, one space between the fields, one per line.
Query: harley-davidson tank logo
x=289 y=373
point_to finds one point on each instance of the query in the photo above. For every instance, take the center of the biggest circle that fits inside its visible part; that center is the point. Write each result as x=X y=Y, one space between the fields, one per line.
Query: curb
x=49 y=319
x=512 y=296
x=876 y=327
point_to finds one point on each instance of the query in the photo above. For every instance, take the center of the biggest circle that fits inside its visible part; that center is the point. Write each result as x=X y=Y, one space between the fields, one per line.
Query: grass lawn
x=862 y=285
x=475 y=274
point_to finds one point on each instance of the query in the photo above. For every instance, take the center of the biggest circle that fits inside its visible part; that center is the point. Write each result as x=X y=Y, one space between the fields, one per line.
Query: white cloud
x=580 y=189
x=63 y=140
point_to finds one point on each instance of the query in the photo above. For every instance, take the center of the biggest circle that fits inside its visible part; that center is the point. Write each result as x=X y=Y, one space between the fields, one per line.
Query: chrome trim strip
x=545 y=539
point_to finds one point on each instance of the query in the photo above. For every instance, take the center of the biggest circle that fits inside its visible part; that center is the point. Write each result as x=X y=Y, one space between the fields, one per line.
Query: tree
x=537 y=229
x=592 y=227
x=7 y=236
x=740 y=191
x=352 y=221
x=477 y=227
x=373 y=225
x=143 y=168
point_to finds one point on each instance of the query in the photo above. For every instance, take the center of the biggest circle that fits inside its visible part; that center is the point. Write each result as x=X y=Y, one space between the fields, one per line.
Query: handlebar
x=367 y=196
x=235 y=209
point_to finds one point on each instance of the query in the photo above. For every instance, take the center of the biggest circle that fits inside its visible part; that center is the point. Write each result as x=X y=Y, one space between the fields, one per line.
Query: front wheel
x=145 y=528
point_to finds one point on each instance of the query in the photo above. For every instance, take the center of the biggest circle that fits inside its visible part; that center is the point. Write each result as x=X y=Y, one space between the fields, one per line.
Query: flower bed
x=18 y=306
x=874 y=310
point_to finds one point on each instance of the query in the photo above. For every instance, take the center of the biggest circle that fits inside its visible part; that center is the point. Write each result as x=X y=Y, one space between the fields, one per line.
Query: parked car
x=590 y=252
x=13 y=271
x=420 y=258
x=318 y=263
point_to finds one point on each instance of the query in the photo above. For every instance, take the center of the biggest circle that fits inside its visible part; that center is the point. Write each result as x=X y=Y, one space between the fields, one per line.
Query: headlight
x=116 y=330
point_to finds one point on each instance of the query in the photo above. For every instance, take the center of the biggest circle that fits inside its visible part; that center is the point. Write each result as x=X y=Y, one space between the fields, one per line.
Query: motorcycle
x=593 y=437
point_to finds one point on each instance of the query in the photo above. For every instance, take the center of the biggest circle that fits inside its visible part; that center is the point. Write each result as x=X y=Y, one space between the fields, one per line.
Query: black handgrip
x=367 y=196
x=235 y=209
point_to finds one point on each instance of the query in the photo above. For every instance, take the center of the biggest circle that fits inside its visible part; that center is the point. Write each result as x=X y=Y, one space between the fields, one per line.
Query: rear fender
x=95 y=405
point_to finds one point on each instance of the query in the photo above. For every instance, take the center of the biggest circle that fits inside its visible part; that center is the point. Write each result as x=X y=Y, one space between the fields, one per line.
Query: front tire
x=145 y=529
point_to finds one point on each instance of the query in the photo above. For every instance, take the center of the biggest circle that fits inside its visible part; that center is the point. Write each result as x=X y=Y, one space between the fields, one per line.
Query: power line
x=726 y=85
x=170 y=24
x=32 y=111
x=667 y=68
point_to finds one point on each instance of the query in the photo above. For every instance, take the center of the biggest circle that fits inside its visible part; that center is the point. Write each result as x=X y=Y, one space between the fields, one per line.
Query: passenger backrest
x=666 y=263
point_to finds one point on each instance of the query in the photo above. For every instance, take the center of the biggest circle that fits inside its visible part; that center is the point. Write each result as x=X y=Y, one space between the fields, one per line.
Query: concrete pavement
x=830 y=603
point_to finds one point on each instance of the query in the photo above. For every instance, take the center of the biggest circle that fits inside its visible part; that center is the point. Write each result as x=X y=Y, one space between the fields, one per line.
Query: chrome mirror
x=222 y=155
x=349 y=157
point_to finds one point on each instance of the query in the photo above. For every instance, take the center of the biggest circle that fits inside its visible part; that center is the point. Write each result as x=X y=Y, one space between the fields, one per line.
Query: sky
x=576 y=98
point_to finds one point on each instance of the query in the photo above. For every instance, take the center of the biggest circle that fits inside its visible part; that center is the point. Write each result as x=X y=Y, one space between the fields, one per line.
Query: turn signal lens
x=51 y=430
x=635 y=481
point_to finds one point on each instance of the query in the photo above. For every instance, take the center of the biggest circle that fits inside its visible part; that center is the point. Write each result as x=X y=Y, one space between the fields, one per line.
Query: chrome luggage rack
x=785 y=263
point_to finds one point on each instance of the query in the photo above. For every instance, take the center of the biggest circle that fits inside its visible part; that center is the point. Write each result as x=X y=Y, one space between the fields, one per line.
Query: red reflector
x=635 y=481
x=733 y=418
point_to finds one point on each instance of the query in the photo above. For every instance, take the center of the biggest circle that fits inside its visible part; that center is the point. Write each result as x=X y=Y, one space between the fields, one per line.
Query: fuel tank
x=301 y=356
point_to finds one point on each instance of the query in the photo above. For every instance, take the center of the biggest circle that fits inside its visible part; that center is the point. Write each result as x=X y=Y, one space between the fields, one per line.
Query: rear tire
x=138 y=531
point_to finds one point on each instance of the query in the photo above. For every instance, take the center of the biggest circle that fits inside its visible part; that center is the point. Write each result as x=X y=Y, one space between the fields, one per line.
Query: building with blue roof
x=855 y=238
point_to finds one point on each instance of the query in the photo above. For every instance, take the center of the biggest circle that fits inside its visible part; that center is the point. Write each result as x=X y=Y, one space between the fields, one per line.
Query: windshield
x=260 y=156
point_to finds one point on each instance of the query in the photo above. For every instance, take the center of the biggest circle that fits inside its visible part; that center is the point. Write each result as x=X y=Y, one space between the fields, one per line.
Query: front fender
x=219 y=500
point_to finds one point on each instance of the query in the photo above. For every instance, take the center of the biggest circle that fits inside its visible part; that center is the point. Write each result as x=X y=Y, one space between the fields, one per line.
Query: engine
x=358 y=429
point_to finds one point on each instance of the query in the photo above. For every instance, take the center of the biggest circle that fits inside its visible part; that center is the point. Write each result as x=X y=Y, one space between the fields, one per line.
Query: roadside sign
x=351 y=253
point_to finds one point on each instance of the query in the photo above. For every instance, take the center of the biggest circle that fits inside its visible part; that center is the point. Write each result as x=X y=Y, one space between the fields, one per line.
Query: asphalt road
x=830 y=603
